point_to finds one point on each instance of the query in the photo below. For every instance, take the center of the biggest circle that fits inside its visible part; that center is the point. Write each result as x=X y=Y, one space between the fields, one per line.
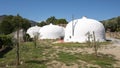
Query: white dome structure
x=32 y=31
x=51 y=32
x=76 y=30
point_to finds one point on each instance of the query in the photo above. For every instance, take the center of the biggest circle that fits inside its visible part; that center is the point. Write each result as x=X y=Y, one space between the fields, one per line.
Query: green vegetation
x=5 y=41
x=46 y=52
x=38 y=54
x=67 y=58
x=52 y=20
x=70 y=45
x=10 y=23
x=103 y=60
x=29 y=56
x=112 y=24
x=81 y=45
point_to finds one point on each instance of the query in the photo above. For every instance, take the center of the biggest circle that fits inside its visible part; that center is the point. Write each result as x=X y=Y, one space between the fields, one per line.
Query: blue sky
x=39 y=10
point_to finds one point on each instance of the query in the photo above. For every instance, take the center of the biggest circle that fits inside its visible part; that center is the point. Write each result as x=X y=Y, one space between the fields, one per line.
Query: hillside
x=33 y=23
x=112 y=24
x=52 y=54
x=65 y=55
x=1 y=17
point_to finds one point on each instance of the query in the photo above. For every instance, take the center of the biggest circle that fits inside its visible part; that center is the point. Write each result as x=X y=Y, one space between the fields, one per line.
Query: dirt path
x=113 y=49
x=116 y=42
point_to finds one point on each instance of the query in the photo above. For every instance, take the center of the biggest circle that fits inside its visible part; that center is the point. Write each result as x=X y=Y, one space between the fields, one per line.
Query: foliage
x=42 y=23
x=27 y=38
x=30 y=57
x=61 y=21
x=20 y=23
x=25 y=24
x=10 y=23
x=6 y=41
x=112 y=24
x=6 y=26
x=52 y=20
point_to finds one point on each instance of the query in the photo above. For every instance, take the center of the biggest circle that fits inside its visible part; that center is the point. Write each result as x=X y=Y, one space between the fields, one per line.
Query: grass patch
x=67 y=57
x=70 y=45
x=105 y=43
x=81 y=45
x=45 y=52
x=27 y=52
x=103 y=60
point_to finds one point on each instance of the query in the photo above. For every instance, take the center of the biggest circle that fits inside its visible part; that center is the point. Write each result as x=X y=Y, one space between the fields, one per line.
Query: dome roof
x=51 y=32
x=76 y=30
x=32 y=31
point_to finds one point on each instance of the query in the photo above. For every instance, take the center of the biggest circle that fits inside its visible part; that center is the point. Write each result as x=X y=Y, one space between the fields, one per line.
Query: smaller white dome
x=51 y=32
x=32 y=31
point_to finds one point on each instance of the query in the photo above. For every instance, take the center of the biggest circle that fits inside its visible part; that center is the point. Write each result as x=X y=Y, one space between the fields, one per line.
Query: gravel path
x=116 y=42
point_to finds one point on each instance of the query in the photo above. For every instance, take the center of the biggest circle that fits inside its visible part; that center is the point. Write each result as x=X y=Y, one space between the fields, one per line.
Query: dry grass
x=65 y=55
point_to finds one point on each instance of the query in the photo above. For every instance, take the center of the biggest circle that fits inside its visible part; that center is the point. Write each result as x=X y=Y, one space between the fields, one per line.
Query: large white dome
x=32 y=31
x=51 y=32
x=76 y=30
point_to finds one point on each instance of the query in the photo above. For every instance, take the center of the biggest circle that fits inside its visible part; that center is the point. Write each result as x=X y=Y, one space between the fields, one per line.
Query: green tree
x=17 y=20
x=118 y=24
x=14 y=23
x=5 y=41
x=52 y=20
x=6 y=26
x=25 y=24
x=42 y=23
x=61 y=21
x=26 y=38
x=112 y=24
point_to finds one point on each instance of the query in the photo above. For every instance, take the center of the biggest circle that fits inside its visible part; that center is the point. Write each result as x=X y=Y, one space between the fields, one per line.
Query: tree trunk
x=94 y=44
x=3 y=47
x=17 y=48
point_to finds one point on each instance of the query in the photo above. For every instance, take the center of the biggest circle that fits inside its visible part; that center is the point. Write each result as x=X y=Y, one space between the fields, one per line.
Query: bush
x=26 y=38
x=5 y=41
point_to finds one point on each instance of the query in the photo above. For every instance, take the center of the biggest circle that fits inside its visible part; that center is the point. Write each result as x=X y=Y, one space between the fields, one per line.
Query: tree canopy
x=53 y=20
x=61 y=21
x=11 y=23
x=112 y=24
x=5 y=41
x=6 y=26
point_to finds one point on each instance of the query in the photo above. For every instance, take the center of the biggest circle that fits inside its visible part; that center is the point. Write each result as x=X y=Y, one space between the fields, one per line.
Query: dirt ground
x=113 y=49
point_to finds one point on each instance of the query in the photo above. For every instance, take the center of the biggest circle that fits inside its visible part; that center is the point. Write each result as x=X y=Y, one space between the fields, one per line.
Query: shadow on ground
x=37 y=61
x=3 y=52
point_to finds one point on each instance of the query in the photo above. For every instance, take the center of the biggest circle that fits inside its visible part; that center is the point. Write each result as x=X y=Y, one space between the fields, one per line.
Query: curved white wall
x=33 y=30
x=51 y=32
x=76 y=30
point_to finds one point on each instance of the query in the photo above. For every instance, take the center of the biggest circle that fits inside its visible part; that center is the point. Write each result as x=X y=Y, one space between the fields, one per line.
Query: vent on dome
x=84 y=17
